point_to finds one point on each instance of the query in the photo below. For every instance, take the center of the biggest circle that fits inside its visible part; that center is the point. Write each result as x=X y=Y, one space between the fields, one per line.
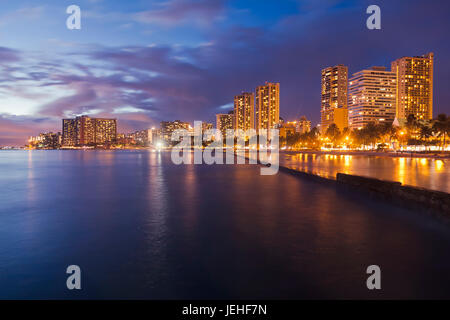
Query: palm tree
x=425 y=132
x=372 y=133
x=333 y=132
x=442 y=127
x=314 y=132
x=387 y=130
x=313 y=137
x=411 y=121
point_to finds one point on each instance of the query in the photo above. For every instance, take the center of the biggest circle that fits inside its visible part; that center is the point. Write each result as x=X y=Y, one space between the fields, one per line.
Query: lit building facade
x=303 y=125
x=47 y=140
x=105 y=130
x=286 y=130
x=372 y=97
x=414 y=86
x=84 y=130
x=70 y=132
x=244 y=113
x=207 y=126
x=168 y=127
x=145 y=137
x=267 y=101
x=334 y=97
x=224 y=122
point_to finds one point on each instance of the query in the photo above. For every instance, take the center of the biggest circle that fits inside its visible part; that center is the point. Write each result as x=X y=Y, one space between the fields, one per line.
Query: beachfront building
x=334 y=97
x=244 y=114
x=84 y=130
x=372 y=97
x=414 y=86
x=267 y=101
x=169 y=127
x=224 y=122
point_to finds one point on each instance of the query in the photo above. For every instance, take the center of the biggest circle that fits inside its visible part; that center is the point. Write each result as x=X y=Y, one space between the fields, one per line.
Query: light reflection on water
x=141 y=227
x=422 y=172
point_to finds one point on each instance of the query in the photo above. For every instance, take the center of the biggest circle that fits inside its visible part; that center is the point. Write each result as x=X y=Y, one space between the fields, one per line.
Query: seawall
x=437 y=201
x=431 y=202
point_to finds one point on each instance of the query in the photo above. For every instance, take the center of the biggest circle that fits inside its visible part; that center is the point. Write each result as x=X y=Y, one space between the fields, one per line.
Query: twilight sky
x=143 y=61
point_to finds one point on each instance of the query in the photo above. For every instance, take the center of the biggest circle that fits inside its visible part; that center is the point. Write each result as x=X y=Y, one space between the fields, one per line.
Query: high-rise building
x=303 y=125
x=372 y=95
x=105 y=130
x=224 y=122
x=334 y=97
x=206 y=126
x=52 y=140
x=168 y=127
x=86 y=131
x=244 y=114
x=414 y=86
x=144 y=137
x=287 y=129
x=47 y=140
x=70 y=132
x=267 y=101
x=156 y=136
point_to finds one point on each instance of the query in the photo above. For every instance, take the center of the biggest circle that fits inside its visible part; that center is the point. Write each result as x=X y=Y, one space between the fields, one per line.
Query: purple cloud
x=9 y=55
x=15 y=130
x=174 y=12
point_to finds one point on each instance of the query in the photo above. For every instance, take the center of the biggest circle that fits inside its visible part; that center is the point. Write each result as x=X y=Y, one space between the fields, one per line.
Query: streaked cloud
x=175 y=12
x=226 y=106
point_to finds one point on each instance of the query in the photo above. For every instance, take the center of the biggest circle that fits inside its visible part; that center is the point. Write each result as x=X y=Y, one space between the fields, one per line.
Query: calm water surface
x=141 y=227
x=422 y=172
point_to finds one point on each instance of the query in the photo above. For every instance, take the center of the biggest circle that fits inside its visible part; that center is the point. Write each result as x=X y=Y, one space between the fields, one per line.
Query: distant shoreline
x=435 y=155
x=399 y=154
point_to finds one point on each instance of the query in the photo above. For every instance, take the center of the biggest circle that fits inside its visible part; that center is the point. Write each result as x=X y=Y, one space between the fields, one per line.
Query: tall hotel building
x=169 y=127
x=85 y=130
x=244 y=114
x=414 y=86
x=334 y=97
x=224 y=122
x=70 y=135
x=267 y=106
x=372 y=95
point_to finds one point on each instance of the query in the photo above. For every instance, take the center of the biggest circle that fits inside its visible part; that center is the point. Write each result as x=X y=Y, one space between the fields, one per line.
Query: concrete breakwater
x=438 y=201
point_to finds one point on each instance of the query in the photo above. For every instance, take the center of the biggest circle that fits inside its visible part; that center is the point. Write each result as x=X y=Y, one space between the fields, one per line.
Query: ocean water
x=141 y=227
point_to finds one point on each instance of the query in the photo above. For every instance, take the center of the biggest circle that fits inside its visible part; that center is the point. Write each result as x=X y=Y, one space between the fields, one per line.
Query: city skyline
x=339 y=108
x=143 y=72
x=371 y=97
